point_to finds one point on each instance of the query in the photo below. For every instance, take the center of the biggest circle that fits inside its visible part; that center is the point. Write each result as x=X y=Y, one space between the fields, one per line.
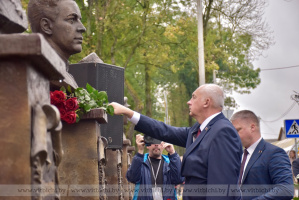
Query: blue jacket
x=139 y=173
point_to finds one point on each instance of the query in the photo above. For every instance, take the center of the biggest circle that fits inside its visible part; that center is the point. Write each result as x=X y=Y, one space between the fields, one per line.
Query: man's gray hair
x=38 y=9
x=216 y=93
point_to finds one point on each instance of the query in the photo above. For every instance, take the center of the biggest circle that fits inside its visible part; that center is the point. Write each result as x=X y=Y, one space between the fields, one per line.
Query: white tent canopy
x=286 y=144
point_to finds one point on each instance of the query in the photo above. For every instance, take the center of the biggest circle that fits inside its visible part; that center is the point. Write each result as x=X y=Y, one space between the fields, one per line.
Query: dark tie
x=199 y=131
x=243 y=165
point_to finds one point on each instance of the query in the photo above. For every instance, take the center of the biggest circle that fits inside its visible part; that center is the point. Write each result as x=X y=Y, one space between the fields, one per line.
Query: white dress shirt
x=204 y=124
x=135 y=118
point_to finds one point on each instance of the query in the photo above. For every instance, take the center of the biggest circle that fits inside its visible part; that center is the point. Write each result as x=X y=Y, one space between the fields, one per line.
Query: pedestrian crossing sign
x=291 y=127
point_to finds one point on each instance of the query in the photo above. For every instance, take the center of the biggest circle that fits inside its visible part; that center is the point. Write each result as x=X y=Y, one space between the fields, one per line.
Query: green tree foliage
x=234 y=34
x=156 y=42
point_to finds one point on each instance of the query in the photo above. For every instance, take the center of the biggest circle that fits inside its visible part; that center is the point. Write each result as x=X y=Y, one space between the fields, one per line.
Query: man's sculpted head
x=60 y=23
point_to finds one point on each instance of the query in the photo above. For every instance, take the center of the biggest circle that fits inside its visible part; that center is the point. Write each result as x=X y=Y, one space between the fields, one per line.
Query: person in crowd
x=265 y=170
x=292 y=156
x=154 y=174
x=213 y=154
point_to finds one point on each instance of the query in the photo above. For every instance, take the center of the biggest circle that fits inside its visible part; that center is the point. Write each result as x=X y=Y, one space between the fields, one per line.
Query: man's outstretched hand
x=122 y=110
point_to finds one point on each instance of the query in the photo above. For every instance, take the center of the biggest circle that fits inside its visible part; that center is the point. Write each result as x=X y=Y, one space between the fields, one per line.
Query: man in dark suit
x=212 y=159
x=267 y=170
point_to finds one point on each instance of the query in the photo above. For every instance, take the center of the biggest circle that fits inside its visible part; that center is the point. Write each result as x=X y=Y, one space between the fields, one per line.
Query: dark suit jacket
x=213 y=160
x=295 y=165
x=269 y=167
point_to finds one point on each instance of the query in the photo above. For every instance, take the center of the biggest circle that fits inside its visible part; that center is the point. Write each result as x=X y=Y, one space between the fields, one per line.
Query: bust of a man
x=60 y=23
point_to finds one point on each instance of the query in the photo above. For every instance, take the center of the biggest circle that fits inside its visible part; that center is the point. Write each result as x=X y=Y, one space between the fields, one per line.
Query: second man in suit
x=266 y=170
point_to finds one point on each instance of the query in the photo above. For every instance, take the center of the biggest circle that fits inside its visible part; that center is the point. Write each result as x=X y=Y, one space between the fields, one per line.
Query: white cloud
x=272 y=97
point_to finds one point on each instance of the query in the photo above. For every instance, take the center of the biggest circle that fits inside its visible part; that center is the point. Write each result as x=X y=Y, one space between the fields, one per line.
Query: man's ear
x=252 y=127
x=207 y=102
x=46 y=26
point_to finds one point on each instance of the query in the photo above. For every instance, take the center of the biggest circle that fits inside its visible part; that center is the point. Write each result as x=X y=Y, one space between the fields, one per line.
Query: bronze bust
x=59 y=21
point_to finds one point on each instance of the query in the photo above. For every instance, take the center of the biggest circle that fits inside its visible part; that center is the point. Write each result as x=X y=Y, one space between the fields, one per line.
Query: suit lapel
x=197 y=140
x=192 y=145
x=190 y=136
x=256 y=154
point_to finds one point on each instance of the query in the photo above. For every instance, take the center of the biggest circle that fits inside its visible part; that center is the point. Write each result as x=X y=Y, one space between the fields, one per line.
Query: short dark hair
x=293 y=151
x=38 y=9
x=246 y=115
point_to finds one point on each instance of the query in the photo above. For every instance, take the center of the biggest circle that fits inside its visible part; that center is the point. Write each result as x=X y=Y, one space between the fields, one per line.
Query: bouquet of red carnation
x=74 y=105
x=67 y=106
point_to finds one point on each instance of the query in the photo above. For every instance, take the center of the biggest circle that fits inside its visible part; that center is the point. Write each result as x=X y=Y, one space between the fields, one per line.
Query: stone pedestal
x=79 y=167
x=131 y=186
x=102 y=145
x=125 y=165
x=27 y=63
x=113 y=174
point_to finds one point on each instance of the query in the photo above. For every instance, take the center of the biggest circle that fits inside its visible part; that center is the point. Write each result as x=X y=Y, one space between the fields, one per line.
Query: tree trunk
x=148 y=99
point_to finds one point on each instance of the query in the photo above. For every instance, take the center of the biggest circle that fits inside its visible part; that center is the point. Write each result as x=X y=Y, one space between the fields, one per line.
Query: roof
x=286 y=144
